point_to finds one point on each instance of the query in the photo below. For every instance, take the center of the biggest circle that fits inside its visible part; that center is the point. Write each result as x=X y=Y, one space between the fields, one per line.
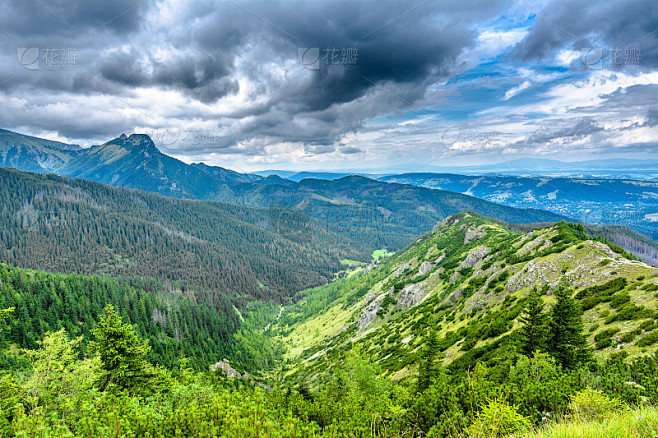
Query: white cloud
x=516 y=90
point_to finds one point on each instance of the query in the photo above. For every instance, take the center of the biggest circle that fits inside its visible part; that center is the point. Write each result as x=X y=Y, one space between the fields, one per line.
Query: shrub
x=589 y=303
x=497 y=419
x=603 y=343
x=628 y=337
x=591 y=404
x=619 y=299
x=649 y=339
x=606 y=334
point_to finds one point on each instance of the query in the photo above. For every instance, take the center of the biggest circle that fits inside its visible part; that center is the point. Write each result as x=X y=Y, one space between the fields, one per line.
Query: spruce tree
x=122 y=354
x=533 y=331
x=429 y=361
x=566 y=341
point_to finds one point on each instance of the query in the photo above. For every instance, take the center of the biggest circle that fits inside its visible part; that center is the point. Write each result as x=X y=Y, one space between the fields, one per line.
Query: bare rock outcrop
x=224 y=367
x=400 y=270
x=425 y=267
x=474 y=257
x=474 y=233
x=535 y=272
x=227 y=369
x=369 y=314
x=411 y=295
x=370 y=296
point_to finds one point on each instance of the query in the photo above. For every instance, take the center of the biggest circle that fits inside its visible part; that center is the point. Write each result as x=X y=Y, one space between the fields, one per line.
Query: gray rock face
x=410 y=296
x=400 y=270
x=474 y=233
x=425 y=267
x=371 y=295
x=531 y=245
x=474 y=257
x=227 y=369
x=368 y=315
x=535 y=273
x=230 y=372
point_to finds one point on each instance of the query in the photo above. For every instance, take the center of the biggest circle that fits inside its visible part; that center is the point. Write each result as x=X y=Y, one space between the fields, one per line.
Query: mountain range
x=386 y=215
x=540 y=167
x=601 y=201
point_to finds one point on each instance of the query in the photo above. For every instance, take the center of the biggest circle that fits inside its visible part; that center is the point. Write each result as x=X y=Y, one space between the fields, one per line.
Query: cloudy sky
x=340 y=84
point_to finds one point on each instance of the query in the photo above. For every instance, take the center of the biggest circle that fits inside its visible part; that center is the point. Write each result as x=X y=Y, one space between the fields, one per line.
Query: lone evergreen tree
x=429 y=361
x=533 y=331
x=122 y=353
x=566 y=342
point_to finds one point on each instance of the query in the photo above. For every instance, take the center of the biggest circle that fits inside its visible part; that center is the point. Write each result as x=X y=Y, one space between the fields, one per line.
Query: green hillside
x=76 y=226
x=361 y=209
x=470 y=279
x=178 y=322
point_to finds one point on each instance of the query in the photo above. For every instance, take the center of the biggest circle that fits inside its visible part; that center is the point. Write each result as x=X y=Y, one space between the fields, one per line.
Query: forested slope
x=68 y=225
x=176 y=322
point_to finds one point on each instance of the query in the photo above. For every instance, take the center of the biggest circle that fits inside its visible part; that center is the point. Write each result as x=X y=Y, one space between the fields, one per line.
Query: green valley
x=472 y=330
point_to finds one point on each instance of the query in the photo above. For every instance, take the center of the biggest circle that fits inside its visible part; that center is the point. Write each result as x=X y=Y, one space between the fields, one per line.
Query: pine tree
x=534 y=328
x=566 y=341
x=429 y=361
x=122 y=353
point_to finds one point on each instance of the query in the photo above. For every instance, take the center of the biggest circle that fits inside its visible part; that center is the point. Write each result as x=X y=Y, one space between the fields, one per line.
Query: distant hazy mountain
x=226 y=175
x=33 y=154
x=592 y=200
x=136 y=163
x=617 y=167
x=330 y=176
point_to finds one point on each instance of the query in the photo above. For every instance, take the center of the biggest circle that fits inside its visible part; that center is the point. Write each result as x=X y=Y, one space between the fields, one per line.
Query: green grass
x=381 y=253
x=639 y=422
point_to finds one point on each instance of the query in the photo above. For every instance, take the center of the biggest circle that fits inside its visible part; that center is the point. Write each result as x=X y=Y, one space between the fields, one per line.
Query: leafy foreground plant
x=498 y=419
x=66 y=394
x=590 y=404
x=640 y=422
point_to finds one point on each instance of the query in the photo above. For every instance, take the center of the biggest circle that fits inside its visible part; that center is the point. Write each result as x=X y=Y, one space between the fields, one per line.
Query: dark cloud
x=131 y=53
x=398 y=49
x=203 y=77
x=635 y=96
x=574 y=131
x=582 y=24
x=72 y=19
x=350 y=150
x=652 y=117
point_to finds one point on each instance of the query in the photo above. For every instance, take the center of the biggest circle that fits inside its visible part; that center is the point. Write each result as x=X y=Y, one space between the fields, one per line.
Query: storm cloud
x=281 y=81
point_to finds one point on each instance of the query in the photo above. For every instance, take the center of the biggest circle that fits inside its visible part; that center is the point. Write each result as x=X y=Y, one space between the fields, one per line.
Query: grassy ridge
x=470 y=279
